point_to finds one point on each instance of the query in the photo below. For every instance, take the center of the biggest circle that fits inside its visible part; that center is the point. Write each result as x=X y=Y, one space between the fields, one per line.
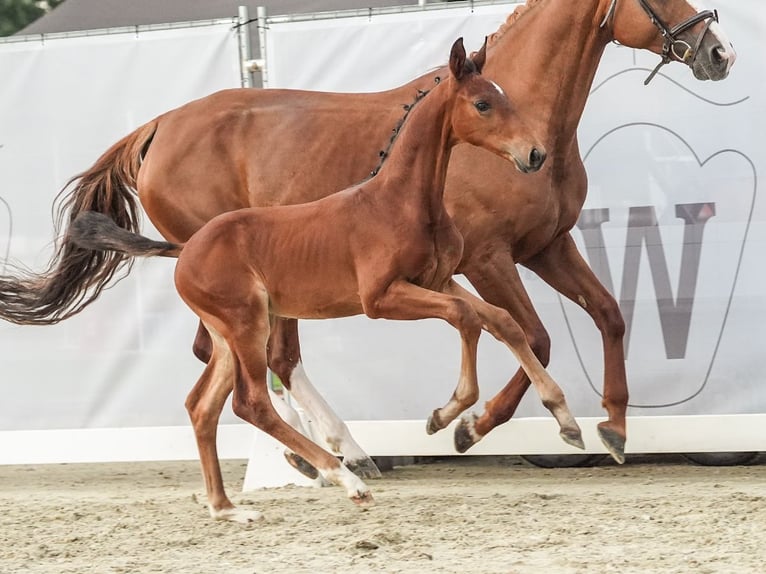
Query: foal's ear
x=481 y=56
x=457 y=59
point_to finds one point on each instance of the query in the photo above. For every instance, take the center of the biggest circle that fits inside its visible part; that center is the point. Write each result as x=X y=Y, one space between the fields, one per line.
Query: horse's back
x=260 y=147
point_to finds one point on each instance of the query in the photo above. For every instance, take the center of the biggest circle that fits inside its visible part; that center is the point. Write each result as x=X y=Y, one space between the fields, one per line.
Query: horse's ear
x=481 y=56
x=457 y=59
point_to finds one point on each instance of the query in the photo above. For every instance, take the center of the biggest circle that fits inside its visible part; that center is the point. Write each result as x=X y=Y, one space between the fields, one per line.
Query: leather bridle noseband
x=672 y=47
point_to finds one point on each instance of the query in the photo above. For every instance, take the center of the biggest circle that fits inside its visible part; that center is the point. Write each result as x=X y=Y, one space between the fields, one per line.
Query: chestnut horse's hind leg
x=562 y=267
x=285 y=362
x=204 y=404
x=501 y=325
x=405 y=301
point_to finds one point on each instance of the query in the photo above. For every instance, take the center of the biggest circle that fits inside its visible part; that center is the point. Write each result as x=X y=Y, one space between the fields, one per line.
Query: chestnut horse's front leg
x=564 y=269
x=405 y=301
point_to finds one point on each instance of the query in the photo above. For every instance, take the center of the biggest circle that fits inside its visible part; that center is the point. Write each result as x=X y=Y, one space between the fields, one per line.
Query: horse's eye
x=481 y=105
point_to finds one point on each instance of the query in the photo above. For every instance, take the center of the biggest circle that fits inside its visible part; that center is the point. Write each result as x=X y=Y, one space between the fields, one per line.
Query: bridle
x=672 y=47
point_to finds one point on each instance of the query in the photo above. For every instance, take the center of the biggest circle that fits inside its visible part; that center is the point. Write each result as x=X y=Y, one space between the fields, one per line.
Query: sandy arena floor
x=456 y=515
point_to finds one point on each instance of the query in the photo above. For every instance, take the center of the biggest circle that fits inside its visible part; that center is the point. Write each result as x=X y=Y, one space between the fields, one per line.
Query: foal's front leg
x=404 y=301
x=501 y=325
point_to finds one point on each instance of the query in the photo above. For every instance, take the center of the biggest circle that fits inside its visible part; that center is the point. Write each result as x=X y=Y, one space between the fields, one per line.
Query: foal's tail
x=96 y=231
x=76 y=275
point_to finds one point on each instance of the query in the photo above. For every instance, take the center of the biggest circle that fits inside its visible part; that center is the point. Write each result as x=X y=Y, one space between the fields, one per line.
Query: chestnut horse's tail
x=76 y=276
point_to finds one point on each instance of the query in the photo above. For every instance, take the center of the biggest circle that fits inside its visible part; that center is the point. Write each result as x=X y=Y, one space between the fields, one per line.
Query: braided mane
x=510 y=21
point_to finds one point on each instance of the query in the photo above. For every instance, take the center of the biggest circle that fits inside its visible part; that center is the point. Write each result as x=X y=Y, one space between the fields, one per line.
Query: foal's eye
x=481 y=105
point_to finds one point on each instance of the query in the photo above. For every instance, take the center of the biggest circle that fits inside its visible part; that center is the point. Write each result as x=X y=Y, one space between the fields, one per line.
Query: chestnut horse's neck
x=548 y=57
x=416 y=167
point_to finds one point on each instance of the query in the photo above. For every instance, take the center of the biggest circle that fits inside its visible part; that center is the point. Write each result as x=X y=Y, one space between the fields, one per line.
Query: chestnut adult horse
x=385 y=247
x=236 y=148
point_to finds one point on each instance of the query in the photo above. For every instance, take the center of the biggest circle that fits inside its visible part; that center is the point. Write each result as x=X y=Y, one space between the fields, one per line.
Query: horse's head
x=483 y=115
x=674 y=29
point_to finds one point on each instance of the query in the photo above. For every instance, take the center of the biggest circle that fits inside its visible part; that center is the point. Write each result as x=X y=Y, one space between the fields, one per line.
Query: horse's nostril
x=536 y=158
x=717 y=55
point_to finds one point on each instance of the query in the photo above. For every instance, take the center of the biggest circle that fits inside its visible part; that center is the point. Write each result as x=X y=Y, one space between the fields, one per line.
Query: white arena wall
x=110 y=383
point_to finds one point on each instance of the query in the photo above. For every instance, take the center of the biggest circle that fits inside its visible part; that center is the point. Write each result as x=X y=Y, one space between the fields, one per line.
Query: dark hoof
x=465 y=434
x=434 y=424
x=363 y=468
x=301 y=465
x=573 y=437
x=613 y=442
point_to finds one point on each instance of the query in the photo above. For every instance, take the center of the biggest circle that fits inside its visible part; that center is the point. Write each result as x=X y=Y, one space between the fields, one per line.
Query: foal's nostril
x=536 y=158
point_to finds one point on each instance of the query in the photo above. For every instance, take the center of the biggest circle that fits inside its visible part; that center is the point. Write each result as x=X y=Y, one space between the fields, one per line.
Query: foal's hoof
x=465 y=433
x=236 y=515
x=613 y=441
x=362 y=499
x=301 y=465
x=363 y=468
x=434 y=423
x=572 y=436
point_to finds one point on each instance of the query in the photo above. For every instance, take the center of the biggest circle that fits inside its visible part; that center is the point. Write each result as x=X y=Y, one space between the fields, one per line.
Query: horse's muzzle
x=714 y=62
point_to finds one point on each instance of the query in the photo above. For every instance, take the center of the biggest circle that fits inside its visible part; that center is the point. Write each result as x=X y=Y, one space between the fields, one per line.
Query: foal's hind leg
x=247 y=334
x=285 y=362
x=204 y=404
x=501 y=325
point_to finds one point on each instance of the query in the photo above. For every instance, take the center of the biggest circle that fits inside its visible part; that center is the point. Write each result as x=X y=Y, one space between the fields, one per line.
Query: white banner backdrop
x=679 y=151
x=126 y=360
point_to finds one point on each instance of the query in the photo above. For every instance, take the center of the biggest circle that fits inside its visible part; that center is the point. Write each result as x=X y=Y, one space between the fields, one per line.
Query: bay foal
x=385 y=247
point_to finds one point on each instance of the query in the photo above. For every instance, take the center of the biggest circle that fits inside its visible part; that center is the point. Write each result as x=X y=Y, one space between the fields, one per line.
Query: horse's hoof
x=236 y=515
x=572 y=436
x=301 y=465
x=363 y=468
x=613 y=441
x=434 y=424
x=363 y=499
x=465 y=433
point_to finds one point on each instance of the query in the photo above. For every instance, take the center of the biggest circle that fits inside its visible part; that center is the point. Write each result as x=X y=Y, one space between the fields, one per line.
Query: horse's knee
x=610 y=320
x=536 y=337
x=540 y=342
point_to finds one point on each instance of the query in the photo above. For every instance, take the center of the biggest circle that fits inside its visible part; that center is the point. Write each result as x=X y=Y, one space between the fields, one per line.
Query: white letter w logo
x=643 y=229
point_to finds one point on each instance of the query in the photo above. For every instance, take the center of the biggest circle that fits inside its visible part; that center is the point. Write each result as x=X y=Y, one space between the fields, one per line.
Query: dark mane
x=383 y=154
x=513 y=17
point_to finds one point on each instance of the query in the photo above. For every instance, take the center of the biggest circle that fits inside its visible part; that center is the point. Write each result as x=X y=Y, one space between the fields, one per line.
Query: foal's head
x=483 y=116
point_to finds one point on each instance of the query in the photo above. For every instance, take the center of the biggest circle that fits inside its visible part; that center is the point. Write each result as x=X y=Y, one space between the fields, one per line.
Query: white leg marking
x=334 y=431
x=288 y=413
x=356 y=489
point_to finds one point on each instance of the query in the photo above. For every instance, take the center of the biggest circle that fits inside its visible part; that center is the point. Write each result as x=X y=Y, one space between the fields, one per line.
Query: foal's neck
x=416 y=168
x=547 y=60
